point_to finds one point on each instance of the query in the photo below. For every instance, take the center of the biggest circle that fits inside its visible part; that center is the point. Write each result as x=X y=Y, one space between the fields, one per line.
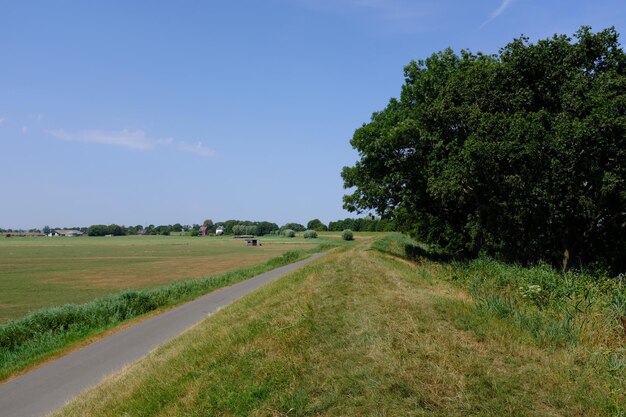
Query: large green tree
x=520 y=154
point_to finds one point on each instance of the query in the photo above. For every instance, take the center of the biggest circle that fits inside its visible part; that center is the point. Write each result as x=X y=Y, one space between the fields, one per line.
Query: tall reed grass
x=553 y=308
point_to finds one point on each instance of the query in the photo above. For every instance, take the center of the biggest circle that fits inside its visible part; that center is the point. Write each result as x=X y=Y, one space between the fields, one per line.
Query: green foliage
x=262 y=228
x=317 y=225
x=102 y=230
x=347 y=234
x=520 y=155
x=289 y=233
x=310 y=234
x=294 y=226
x=241 y=229
x=552 y=307
x=362 y=225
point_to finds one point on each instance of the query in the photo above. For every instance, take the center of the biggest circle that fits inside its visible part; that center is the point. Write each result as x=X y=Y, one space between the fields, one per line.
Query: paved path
x=48 y=388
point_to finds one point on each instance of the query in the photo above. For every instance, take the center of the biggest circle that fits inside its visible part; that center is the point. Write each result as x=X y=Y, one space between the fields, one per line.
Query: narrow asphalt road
x=51 y=386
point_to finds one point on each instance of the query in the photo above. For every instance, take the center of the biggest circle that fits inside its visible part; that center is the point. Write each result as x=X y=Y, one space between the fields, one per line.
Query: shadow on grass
x=414 y=252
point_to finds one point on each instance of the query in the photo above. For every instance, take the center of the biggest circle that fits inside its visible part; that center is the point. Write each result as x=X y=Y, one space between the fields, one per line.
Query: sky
x=137 y=112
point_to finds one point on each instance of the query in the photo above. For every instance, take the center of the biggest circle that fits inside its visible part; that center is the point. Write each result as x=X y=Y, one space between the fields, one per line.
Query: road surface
x=51 y=386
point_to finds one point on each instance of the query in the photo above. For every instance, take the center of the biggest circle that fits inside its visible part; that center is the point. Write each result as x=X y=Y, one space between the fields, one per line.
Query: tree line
x=230 y=227
x=520 y=155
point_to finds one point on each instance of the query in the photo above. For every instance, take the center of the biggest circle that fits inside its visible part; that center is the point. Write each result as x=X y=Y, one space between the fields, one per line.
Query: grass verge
x=357 y=333
x=43 y=333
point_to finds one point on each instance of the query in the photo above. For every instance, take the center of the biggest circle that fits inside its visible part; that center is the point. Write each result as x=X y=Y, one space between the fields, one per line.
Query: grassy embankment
x=361 y=332
x=49 y=331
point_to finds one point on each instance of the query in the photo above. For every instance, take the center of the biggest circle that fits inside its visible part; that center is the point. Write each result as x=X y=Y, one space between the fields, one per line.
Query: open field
x=43 y=272
x=361 y=332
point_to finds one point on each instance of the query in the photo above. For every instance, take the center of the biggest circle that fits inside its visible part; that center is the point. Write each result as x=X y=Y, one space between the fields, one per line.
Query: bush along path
x=49 y=387
x=362 y=332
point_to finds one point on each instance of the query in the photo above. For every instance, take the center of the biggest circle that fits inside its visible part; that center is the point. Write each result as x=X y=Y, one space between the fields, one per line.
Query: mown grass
x=39 y=272
x=42 y=333
x=357 y=333
x=555 y=309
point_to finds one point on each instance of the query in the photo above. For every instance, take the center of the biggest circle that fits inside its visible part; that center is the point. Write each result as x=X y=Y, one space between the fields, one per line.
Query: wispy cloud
x=1 y=120
x=503 y=6
x=131 y=139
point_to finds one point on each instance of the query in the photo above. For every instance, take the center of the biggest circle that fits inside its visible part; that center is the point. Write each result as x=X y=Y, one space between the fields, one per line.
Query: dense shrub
x=289 y=233
x=310 y=234
x=347 y=234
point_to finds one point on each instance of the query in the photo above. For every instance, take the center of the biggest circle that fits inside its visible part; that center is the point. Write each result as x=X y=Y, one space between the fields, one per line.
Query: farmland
x=44 y=272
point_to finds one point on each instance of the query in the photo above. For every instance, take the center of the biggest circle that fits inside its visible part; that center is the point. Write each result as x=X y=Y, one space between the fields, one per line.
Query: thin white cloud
x=503 y=6
x=24 y=130
x=131 y=139
x=2 y=119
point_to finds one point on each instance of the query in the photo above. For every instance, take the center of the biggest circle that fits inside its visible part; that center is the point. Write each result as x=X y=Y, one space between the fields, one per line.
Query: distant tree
x=243 y=229
x=98 y=230
x=317 y=225
x=288 y=233
x=294 y=226
x=164 y=230
x=208 y=223
x=115 y=230
x=46 y=229
x=177 y=228
x=265 y=228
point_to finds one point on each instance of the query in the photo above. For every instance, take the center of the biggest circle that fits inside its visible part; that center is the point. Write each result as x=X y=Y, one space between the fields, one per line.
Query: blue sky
x=137 y=112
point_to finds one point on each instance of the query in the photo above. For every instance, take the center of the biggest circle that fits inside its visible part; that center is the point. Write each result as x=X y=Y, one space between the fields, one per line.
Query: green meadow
x=38 y=272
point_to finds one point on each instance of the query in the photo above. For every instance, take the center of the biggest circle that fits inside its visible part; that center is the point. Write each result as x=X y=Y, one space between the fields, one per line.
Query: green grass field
x=364 y=333
x=44 y=272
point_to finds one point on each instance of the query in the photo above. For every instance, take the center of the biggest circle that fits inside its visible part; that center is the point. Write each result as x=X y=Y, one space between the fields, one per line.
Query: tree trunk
x=566 y=261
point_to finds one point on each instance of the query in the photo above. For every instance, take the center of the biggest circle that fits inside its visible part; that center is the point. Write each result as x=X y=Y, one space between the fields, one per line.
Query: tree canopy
x=521 y=155
x=317 y=225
